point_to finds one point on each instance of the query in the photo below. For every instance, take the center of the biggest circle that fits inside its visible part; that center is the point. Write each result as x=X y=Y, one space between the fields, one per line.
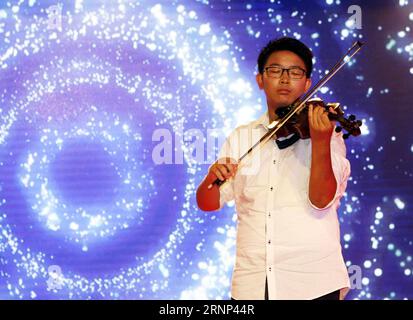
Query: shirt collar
x=262 y=121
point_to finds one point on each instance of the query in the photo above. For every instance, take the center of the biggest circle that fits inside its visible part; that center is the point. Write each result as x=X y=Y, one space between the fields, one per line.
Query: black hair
x=289 y=44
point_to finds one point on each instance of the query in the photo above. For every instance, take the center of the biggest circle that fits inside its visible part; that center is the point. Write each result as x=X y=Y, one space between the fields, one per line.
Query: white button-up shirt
x=281 y=235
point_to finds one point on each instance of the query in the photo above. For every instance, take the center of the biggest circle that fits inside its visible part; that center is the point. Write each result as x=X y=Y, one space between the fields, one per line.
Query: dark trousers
x=335 y=295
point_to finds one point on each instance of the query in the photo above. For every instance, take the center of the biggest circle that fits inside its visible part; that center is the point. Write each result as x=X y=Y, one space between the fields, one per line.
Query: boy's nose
x=284 y=77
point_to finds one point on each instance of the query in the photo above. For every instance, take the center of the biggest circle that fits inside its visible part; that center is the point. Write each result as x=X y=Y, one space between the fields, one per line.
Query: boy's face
x=283 y=91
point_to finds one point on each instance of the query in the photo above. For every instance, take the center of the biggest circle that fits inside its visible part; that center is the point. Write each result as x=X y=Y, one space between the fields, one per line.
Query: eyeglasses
x=276 y=72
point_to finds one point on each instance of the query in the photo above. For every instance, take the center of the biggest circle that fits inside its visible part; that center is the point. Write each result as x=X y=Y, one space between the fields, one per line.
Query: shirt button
x=274 y=162
x=271 y=188
x=269 y=214
x=269 y=268
x=269 y=241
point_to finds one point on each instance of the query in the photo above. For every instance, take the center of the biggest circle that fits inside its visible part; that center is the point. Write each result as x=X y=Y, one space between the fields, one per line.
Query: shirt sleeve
x=341 y=168
x=226 y=190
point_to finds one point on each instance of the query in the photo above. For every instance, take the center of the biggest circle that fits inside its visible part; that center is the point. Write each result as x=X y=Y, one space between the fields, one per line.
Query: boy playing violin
x=288 y=237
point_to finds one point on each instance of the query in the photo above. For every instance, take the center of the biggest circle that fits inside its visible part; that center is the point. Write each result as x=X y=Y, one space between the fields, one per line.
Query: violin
x=298 y=123
x=294 y=118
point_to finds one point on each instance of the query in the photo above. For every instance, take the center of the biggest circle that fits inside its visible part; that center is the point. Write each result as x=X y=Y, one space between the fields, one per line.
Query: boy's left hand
x=321 y=127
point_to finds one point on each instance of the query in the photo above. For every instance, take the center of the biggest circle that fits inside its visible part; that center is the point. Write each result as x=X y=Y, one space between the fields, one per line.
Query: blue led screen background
x=88 y=91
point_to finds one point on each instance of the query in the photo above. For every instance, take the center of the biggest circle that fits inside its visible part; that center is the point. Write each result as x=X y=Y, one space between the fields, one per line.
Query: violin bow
x=277 y=124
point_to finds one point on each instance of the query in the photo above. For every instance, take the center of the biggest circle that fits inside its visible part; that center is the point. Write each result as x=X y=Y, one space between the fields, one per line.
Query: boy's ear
x=259 y=80
x=307 y=84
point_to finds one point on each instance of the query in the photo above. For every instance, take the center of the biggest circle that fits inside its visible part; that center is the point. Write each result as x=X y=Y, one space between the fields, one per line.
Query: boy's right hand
x=224 y=168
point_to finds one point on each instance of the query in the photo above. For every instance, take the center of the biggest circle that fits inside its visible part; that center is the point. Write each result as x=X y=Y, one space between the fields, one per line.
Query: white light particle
x=375 y=243
x=164 y=271
x=403 y=3
x=364 y=128
x=158 y=14
x=399 y=204
x=204 y=29
x=350 y=23
x=347 y=237
x=344 y=33
x=379 y=215
x=78 y=5
x=151 y=46
x=407 y=272
x=324 y=90
x=378 y=272
x=365 y=281
x=390 y=44
x=74 y=226
x=367 y=264
x=95 y=221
